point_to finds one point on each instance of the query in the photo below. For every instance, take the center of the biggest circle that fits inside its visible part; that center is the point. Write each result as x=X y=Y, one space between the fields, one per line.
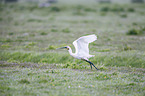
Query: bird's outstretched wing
x=81 y=44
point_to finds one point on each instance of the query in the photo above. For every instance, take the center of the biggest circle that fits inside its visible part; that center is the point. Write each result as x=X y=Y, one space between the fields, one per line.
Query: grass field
x=30 y=65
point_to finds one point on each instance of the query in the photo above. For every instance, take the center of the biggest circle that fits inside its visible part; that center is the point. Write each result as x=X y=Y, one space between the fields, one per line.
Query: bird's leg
x=91 y=64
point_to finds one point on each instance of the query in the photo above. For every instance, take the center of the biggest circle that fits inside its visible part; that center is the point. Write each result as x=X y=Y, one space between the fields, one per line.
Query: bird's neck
x=70 y=52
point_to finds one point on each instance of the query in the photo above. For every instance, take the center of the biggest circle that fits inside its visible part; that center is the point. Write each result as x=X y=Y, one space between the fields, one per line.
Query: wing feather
x=81 y=44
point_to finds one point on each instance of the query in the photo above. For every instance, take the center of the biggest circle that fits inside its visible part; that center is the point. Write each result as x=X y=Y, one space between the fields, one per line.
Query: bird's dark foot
x=97 y=69
x=91 y=64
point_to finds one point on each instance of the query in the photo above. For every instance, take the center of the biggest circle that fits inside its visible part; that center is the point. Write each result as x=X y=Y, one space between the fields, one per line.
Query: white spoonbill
x=82 y=50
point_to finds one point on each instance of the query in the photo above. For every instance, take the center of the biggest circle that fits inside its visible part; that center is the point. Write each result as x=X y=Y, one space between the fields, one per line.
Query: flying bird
x=82 y=50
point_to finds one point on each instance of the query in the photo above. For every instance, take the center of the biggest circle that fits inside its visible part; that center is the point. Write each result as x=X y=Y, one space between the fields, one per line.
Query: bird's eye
x=67 y=48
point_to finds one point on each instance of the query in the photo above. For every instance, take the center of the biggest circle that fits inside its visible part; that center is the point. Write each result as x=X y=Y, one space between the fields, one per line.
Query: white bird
x=82 y=50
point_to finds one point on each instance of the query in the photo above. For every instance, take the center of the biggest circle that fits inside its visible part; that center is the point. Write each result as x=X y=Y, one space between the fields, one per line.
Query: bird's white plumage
x=82 y=50
x=81 y=45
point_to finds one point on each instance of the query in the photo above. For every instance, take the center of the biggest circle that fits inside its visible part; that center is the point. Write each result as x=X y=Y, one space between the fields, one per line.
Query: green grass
x=52 y=80
x=118 y=59
x=136 y=31
x=31 y=65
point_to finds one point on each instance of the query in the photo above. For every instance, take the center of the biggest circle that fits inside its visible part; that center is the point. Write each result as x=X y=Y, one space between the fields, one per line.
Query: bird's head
x=66 y=47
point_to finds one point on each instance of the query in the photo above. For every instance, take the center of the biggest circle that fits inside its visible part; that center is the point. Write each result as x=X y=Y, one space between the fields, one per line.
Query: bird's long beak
x=61 y=48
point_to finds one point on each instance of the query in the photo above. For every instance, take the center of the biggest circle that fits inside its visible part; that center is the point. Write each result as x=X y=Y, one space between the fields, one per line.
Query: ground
x=31 y=65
